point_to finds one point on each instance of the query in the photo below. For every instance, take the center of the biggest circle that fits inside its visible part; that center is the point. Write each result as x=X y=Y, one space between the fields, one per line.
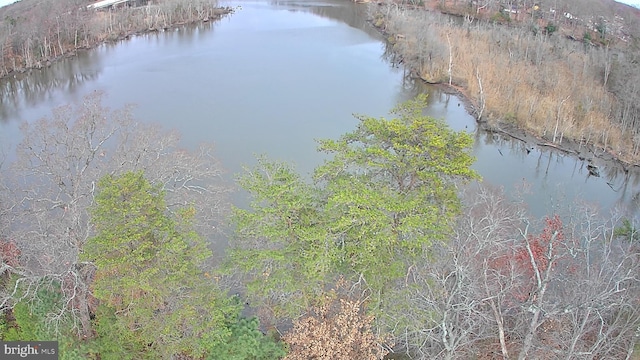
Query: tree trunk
x=450 y=58
x=500 y=322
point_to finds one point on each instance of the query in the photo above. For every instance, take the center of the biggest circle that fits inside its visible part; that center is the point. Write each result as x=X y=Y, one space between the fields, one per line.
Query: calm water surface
x=275 y=76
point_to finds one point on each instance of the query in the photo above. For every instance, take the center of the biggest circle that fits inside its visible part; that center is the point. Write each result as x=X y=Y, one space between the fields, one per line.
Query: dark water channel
x=275 y=76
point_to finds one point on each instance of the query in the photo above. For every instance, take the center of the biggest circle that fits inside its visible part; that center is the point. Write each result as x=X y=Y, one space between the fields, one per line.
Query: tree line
x=35 y=33
x=108 y=230
x=564 y=76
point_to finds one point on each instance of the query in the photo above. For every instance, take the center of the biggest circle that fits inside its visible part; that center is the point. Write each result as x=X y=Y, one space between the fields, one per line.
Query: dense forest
x=393 y=248
x=566 y=71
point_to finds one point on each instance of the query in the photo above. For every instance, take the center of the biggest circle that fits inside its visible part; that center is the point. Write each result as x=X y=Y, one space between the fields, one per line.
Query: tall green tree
x=46 y=192
x=282 y=245
x=391 y=189
x=149 y=276
x=377 y=206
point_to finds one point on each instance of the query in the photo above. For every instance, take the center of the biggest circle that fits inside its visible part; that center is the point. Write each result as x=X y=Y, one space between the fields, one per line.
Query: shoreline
x=218 y=14
x=584 y=152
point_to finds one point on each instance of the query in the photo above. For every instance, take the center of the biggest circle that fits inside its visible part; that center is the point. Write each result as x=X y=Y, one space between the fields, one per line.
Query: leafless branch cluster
x=499 y=290
x=33 y=33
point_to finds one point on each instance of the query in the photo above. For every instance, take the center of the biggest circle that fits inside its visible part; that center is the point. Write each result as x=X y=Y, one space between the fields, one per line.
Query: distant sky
x=635 y=3
x=6 y=2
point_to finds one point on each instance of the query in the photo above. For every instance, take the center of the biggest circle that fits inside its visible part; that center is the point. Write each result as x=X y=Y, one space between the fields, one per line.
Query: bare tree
x=33 y=33
x=500 y=289
x=556 y=87
x=585 y=290
x=53 y=182
x=460 y=294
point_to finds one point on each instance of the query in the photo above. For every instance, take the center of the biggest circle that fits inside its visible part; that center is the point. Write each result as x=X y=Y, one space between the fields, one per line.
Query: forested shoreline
x=35 y=33
x=570 y=83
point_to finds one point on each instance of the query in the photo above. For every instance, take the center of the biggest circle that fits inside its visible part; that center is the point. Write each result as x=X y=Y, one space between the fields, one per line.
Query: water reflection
x=40 y=86
x=554 y=177
x=354 y=15
x=36 y=86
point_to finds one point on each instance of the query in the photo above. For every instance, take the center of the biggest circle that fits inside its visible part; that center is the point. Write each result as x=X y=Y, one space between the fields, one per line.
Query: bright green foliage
x=386 y=195
x=247 y=342
x=392 y=189
x=114 y=343
x=27 y=325
x=157 y=303
x=627 y=230
x=283 y=246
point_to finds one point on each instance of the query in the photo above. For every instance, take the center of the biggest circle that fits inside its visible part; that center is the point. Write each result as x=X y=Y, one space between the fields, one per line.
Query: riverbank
x=522 y=85
x=595 y=157
x=30 y=40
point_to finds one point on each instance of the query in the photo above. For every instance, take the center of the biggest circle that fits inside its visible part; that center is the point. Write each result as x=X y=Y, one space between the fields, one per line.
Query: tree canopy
x=375 y=207
x=102 y=248
x=391 y=188
x=148 y=272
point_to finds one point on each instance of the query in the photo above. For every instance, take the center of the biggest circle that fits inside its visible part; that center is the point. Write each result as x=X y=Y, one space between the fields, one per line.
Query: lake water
x=275 y=76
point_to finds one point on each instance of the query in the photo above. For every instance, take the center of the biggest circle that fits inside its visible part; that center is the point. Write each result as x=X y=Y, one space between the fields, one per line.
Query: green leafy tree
x=392 y=189
x=247 y=342
x=58 y=163
x=149 y=274
x=377 y=206
x=282 y=244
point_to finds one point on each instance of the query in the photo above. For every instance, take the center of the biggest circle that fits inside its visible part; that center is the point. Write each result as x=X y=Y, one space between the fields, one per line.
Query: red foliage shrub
x=9 y=253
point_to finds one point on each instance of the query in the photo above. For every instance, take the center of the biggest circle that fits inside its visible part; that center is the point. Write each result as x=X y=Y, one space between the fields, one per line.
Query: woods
x=505 y=291
x=149 y=276
x=393 y=246
x=566 y=78
x=53 y=235
x=377 y=206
